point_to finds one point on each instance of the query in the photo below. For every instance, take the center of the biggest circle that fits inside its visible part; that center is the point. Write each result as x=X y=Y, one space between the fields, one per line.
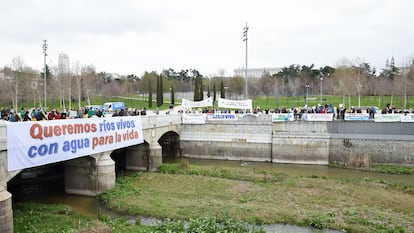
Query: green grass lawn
x=139 y=103
x=294 y=101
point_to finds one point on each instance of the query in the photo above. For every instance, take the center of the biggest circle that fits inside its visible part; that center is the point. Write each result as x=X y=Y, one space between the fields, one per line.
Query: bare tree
x=407 y=76
x=78 y=80
x=236 y=85
x=17 y=86
x=5 y=85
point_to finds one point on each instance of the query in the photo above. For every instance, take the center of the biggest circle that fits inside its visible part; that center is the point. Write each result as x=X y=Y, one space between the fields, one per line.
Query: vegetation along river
x=89 y=206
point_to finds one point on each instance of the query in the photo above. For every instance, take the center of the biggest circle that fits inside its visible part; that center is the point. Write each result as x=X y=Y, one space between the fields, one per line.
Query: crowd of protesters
x=38 y=114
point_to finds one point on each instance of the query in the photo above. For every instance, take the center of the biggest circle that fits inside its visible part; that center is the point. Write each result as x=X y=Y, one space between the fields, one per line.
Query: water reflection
x=309 y=170
x=80 y=204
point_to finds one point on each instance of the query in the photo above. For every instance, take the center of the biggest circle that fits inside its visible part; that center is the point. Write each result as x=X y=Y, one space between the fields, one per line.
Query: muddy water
x=80 y=204
x=311 y=170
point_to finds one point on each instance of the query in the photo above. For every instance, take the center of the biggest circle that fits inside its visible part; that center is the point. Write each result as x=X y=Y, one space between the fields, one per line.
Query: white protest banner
x=387 y=118
x=31 y=144
x=221 y=117
x=193 y=118
x=356 y=117
x=318 y=116
x=197 y=104
x=278 y=117
x=407 y=118
x=235 y=104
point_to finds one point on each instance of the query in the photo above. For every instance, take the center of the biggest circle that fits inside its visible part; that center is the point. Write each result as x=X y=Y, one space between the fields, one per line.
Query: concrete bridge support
x=90 y=176
x=6 y=211
x=137 y=158
x=155 y=157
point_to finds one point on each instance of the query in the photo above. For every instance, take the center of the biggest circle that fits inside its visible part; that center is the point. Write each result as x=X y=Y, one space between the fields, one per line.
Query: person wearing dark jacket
x=26 y=116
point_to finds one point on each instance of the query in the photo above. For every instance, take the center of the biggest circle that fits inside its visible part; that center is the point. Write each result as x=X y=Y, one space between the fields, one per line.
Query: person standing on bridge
x=26 y=116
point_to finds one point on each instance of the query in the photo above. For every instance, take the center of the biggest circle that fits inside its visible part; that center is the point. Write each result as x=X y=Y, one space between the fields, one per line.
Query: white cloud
x=133 y=36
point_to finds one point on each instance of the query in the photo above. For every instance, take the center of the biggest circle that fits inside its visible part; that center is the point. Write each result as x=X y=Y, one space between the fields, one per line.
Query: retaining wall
x=249 y=138
x=349 y=144
x=359 y=144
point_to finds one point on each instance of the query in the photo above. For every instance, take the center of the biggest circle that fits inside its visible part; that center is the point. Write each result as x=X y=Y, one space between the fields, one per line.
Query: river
x=89 y=206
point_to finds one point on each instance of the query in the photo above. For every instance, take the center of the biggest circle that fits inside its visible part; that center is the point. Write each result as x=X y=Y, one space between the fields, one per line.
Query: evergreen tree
x=223 y=95
x=214 y=93
x=160 y=99
x=162 y=90
x=172 y=96
x=196 y=89
x=149 y=94
x=390 y=70
x=201 y=93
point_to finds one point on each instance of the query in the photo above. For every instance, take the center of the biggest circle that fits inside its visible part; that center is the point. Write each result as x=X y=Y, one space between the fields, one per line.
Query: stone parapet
x=6 y=211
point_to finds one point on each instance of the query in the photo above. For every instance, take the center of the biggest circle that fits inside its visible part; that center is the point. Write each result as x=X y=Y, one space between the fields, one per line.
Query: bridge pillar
x=155 y=157
x=90 y=176
x=137 y=157
x=6 y=211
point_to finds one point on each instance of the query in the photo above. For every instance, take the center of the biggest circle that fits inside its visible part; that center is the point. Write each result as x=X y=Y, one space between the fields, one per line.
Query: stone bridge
x=248 y=138
x=93 y=174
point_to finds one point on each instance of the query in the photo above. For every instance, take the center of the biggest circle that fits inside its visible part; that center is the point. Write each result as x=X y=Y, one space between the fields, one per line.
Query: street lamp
x=245 y=29
x=307 y=93
x=321 y=78
x=45 y=54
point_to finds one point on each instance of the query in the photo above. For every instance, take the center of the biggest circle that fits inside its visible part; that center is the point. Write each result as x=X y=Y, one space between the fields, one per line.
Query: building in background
x=256 y=72
x=63 y=67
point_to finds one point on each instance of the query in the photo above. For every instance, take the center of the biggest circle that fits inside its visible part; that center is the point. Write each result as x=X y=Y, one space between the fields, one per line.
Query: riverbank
x=262 y=196
x=259 y=193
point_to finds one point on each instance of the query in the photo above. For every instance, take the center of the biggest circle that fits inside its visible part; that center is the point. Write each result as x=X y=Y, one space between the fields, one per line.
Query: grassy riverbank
x=45 y=218
x=207 y=195
x=182 y=191
x=32 y=217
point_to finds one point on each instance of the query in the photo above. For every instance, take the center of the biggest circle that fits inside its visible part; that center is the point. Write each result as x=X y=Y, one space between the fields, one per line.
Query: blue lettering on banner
x=125 y=124
x=43 y=150
x=74 y=145
x=224 y=116
x=106 y=126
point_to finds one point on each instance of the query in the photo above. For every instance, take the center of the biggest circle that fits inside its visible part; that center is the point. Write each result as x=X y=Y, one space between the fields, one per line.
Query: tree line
x=21 y=85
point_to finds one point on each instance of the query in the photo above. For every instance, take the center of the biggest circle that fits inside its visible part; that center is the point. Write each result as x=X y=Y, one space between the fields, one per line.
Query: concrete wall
x=349 y=144
x=249 y=138
x=358 y=144
x=300 y=142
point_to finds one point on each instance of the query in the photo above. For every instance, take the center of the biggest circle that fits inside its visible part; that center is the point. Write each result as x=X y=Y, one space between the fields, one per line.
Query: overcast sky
x=134 y=36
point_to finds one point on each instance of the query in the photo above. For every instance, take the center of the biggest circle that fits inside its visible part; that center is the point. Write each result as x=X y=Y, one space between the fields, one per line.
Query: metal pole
x=307 y=94
x=44 y=72
x=245 y=72
x=307 y=88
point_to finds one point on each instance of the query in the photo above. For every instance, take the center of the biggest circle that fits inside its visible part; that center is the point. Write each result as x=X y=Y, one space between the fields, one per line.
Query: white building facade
x=256 y=72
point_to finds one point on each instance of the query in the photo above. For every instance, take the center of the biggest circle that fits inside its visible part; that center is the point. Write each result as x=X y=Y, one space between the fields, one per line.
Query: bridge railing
x=3 y=136
x=160 y=120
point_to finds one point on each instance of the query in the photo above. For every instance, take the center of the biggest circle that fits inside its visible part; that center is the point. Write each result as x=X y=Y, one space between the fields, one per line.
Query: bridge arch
x=37 y=180
x=132 y=158
x=170 y=144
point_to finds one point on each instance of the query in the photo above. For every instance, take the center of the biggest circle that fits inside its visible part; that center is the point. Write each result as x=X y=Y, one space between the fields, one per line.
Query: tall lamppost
x=245 y=29
x=307 y=93
x=44 y=72
x=321 y=78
